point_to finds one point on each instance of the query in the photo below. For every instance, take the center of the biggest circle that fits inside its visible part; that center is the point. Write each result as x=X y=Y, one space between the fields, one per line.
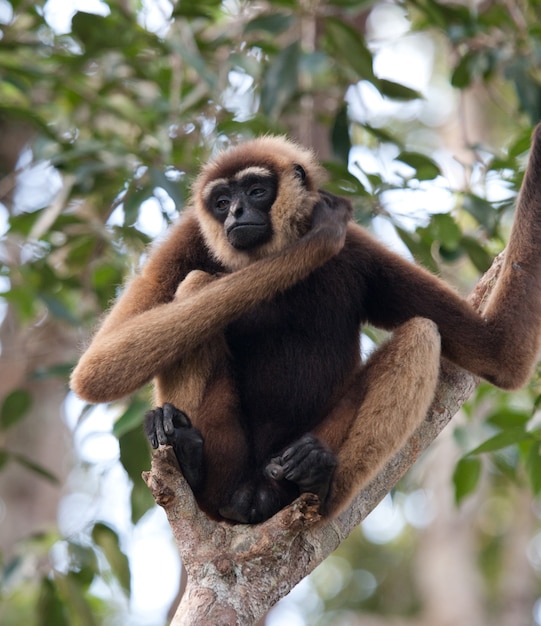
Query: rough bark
x=237 y=572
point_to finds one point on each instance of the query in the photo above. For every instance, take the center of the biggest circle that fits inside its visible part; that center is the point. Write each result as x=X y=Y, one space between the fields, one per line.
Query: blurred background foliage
x=421 y=111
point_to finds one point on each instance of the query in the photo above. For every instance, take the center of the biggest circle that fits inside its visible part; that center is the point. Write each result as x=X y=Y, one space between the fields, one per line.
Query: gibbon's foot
x=251 y=504
x=170 y=426
x=254 y=502
x=308 y=463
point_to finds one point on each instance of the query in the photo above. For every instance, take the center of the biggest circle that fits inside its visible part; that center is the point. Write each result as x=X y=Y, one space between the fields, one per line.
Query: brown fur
x=260 y=347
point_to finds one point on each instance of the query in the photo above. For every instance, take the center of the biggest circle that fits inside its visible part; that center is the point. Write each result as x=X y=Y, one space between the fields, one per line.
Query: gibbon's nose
x=237 y=209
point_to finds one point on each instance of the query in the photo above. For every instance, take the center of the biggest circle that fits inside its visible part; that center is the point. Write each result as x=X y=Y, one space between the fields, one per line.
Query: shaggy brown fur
x=260 y=347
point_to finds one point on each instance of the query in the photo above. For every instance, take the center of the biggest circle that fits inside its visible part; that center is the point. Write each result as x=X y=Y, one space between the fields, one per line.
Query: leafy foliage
x=119 y=117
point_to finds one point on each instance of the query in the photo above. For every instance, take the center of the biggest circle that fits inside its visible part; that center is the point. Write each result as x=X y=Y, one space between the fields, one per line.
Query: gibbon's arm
x=146 y=332
x=501 y=344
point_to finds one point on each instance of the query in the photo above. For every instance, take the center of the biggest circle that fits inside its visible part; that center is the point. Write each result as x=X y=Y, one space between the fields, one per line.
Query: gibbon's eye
x=222 y=203
x=257 y=192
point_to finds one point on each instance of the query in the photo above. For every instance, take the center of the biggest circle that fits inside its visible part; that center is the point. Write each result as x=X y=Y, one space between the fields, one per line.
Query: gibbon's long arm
x=145 y=333
x=501 y=343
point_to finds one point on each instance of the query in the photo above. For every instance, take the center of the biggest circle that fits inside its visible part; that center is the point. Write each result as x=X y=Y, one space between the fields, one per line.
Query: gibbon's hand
x=194 y=281
x=330 y=217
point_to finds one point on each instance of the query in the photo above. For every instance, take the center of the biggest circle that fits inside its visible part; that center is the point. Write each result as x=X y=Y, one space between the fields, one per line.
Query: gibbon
x=247 y=317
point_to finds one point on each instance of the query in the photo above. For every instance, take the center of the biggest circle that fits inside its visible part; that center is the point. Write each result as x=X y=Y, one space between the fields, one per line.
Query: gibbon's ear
x=299 y=170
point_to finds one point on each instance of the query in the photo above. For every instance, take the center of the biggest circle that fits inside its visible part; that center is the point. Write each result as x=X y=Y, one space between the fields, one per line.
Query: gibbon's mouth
x=244 y=236
x=248 y=225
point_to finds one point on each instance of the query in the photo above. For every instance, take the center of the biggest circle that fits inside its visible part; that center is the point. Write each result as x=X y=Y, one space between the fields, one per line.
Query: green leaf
x=466 y=477
x=107 y=277
x=396 y=91
x=537 y=403
x=83 y=563
x=22 y=223
x=132 y=417
x=115 y=31
x=522 y=71
x=141 y=500
x=349 y=48
x=481 y=259
x=51 y=609
x=425 y=167
x=133 y=200
x=463 y=73
x=482 y=210
x=280 y=82
x=4 y=458
x=507 y=417
x=196 y=8
x=342 y=180
x=473 y=65
x=522 y=144
x=533 y=467
x=380 y=134
x=34 y=467
x=107 y=539
x=420 y=250
x=92 y=30
x=340 y=139
x=173 y=189
x=359 y=4
x=60 y=370
x=275 y=23
x=58 y=309
x=135 y=457
x=445 y=230
x=509 y=437
x=455 y=20
x=73 y=595
x=14 y=408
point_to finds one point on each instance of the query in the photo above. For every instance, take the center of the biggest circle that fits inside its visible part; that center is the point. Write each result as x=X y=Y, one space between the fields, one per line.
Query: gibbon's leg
x=400 y=386
x=385 y=403
x=199 y=416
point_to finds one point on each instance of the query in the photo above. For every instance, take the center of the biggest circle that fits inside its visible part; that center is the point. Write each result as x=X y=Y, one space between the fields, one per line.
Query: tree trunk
x=446 y=570
x=30 y=501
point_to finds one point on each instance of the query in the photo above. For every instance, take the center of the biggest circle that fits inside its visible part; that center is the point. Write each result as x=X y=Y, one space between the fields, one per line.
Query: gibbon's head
x=256 y=198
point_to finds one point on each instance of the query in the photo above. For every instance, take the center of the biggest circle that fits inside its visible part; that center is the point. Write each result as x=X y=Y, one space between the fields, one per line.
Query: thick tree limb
x=237 y=572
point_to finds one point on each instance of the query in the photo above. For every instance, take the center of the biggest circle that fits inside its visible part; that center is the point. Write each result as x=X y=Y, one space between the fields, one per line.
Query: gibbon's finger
x=160 y=431
x=274 y=469
x=317 y=462
x=150 y=428
x=300 y=448
x=168 y=418
x=174 y=418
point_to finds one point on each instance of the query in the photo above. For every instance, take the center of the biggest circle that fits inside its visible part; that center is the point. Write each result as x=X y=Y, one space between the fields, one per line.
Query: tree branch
x=236 y=572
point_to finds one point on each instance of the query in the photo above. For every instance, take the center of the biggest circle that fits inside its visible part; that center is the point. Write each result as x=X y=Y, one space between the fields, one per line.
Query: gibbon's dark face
x=243 y=205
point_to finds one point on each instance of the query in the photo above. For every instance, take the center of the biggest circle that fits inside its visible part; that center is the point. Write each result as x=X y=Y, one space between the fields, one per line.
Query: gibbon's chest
x=290 y=353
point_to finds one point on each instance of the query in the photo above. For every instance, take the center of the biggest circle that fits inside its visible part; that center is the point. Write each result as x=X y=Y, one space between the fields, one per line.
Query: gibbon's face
x=255 y=199
x=243 y=205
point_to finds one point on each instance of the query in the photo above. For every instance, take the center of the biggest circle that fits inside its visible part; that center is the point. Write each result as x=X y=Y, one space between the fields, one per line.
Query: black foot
x=308 y=463
x=170 y=426
x=256 y=501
